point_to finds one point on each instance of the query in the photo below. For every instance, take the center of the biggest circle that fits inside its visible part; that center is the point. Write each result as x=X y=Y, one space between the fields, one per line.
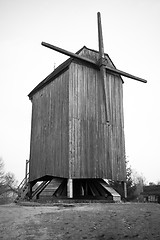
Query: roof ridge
x=64 y=65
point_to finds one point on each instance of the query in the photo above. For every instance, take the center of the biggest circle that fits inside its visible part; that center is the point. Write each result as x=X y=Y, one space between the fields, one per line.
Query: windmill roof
x=61 y=68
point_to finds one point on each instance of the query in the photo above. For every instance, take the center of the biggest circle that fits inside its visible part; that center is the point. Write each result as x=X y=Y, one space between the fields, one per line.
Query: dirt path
x=81 y=221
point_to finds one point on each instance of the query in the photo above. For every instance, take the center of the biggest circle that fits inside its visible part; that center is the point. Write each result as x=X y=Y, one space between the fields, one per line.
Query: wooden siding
x=70 y=137
x=49 y=132
x=96 y=149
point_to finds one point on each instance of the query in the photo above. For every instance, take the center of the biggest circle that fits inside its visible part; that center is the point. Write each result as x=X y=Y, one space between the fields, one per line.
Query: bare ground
x=81 y=221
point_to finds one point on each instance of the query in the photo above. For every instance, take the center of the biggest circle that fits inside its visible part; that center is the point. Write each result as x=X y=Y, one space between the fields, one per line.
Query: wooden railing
x=23 y=183
x=26 y=179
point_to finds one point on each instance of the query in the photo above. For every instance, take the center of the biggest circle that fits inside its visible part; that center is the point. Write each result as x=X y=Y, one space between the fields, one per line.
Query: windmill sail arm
x=100 y=37
x=70 y=54
x=128 y=75
x=102 y=64
x=87 y=60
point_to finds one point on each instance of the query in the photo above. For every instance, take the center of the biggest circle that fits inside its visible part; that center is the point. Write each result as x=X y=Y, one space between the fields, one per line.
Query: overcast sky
x=131 y=32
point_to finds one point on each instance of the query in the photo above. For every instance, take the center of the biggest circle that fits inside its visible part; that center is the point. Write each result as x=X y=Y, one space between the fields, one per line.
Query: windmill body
x=77 y=129
x=70 y=137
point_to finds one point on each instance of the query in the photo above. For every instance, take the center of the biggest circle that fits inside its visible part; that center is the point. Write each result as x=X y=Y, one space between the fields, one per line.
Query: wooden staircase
x=22 y=189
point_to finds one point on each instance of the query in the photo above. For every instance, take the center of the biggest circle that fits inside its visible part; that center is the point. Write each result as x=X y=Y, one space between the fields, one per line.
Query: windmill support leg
x=30 y=186
x=26 y=170
x=70 y=188
x=125 y=189
x=86 y=189
x=30 y=190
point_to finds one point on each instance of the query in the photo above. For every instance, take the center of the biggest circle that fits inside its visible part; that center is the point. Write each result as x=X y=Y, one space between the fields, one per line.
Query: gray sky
x=131 y=35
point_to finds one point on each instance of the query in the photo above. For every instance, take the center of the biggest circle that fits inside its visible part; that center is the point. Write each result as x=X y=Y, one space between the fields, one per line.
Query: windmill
x=77 y=130
x=101 y=64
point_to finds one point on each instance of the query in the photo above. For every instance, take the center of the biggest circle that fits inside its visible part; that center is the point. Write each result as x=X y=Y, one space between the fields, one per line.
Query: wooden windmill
x=77 y=133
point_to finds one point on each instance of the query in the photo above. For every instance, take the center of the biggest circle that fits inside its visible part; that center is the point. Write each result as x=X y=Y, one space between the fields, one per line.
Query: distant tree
x=2 y=181
x=1 y=171
x=139 y=182
x=129 y=182
x=118 y=186
x=134 y=184
x=8 y=184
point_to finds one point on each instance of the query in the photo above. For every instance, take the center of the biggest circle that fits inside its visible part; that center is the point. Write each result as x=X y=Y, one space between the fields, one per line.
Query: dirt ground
x=81 y=221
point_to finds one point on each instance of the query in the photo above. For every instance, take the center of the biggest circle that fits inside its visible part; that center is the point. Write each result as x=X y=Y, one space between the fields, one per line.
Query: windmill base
x=51 y=189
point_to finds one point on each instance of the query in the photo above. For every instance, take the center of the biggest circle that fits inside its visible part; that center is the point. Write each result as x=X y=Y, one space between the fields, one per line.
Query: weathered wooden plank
x=96 y=125
x=76 y=168
x=70 y=149
x=71 y=125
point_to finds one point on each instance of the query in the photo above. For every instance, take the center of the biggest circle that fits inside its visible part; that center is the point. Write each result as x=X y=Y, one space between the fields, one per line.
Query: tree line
x=8 y=185
x=134 y=184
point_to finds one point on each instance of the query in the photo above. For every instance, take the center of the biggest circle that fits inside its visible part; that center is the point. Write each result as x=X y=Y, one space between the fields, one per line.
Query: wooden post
x=30 y=190
x=125 y=189
x=70 y=188
x=26 y=170
x=86 y=189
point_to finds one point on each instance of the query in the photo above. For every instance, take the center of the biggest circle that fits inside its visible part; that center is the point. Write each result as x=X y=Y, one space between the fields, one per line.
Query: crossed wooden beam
x=101 y=55
x=87 y=60
x=101 y=64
